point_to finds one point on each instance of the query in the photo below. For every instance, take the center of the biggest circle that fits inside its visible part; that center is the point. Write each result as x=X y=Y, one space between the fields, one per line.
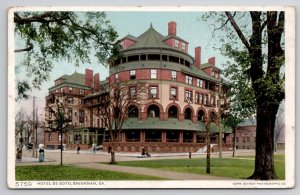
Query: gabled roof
x=129 y=37
x=207 y=65
x=175 y=37
x=75 y=78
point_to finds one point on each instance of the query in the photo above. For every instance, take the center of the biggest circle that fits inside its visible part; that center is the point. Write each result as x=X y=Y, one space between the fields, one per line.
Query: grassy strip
x=236 y=168
x=56 y=172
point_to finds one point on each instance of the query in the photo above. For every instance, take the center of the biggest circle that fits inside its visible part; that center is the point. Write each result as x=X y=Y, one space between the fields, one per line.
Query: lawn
x=236 y=168
x=56 y=172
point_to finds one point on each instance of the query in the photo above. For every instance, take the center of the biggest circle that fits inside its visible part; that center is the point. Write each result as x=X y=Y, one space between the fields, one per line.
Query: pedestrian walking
x=41 y=154
x=94 y=148
x=78 y=149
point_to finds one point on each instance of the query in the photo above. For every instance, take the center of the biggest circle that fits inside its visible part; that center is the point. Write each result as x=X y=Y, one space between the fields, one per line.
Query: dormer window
x=176 y=44
x=183 y=46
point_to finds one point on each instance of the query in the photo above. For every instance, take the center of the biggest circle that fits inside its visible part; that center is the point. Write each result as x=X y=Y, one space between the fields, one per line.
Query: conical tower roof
x=150 y=38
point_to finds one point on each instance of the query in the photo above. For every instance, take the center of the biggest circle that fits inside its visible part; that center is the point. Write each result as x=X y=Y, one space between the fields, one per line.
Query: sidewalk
x=151 y=172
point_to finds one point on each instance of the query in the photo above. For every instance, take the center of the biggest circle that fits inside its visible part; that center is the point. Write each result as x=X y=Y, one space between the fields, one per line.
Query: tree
x=20 y=127
x=256 y=44
x=59 y=120
x=48 y=37
x=23 y=128
x=115 y=106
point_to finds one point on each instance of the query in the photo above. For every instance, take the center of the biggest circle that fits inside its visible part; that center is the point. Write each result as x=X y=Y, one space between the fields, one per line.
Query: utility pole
x=33 y=135
x=36 y=126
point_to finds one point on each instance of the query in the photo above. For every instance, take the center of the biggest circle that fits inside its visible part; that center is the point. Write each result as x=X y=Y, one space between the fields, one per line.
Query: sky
x=190 y=27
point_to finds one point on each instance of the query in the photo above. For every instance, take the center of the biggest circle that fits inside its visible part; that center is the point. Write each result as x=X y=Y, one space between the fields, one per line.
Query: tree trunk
x=112 y=154
x=264 y=159
x=234 y=141
x=113 y=157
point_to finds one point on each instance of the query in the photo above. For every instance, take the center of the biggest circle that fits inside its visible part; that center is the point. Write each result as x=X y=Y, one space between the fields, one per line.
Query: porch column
x=123 y=137
x=194 y=137
x=181 y=137
x=142 y=135
x=164 y=137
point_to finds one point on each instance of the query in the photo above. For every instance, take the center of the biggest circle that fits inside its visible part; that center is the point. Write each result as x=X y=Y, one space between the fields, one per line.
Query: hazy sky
x=190 y=27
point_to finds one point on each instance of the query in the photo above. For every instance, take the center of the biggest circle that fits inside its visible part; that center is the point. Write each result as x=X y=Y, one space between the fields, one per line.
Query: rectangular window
x=81 y=116
x=132 y=91
x=176 y=43
x=153 y=92
x=70 y=89
x=188 y=79
x=205 y=99
x=174 y=93
x=183 y=46
x=248 y=139
x=61 y=90
x=188 y=96
x=70 y=113
x=174 y=75
x=116 y=77
x=197 y=101
x=50 y=137
x=132 y=74
x=153 y=74
x=201 y=98
x=98 y=122
x=199 y=83
x=59 y=137
x=213 y=73
x=81 y=91
x=212 y=101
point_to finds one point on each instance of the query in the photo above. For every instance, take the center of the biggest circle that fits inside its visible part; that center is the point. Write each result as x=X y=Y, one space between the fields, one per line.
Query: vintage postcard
x=151 y=97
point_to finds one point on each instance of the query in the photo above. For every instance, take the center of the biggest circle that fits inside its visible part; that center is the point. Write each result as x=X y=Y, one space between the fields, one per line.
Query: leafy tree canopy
x=49 y=37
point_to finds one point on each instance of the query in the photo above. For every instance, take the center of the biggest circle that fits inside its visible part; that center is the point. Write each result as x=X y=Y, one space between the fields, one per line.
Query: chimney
x=198 y=57
x=88 y=77
x=212 y=60
x=96 y=82
x=172 y=28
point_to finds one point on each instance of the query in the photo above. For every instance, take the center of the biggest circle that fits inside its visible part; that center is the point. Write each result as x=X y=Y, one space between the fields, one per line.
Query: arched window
x=200 y=115
x=188 y=113
x=153 y=111
x=133 y=112
x=173 y=112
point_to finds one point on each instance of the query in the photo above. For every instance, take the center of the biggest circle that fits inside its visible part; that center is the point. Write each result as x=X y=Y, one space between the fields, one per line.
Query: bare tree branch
x=238 y=30
x=29 y=48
